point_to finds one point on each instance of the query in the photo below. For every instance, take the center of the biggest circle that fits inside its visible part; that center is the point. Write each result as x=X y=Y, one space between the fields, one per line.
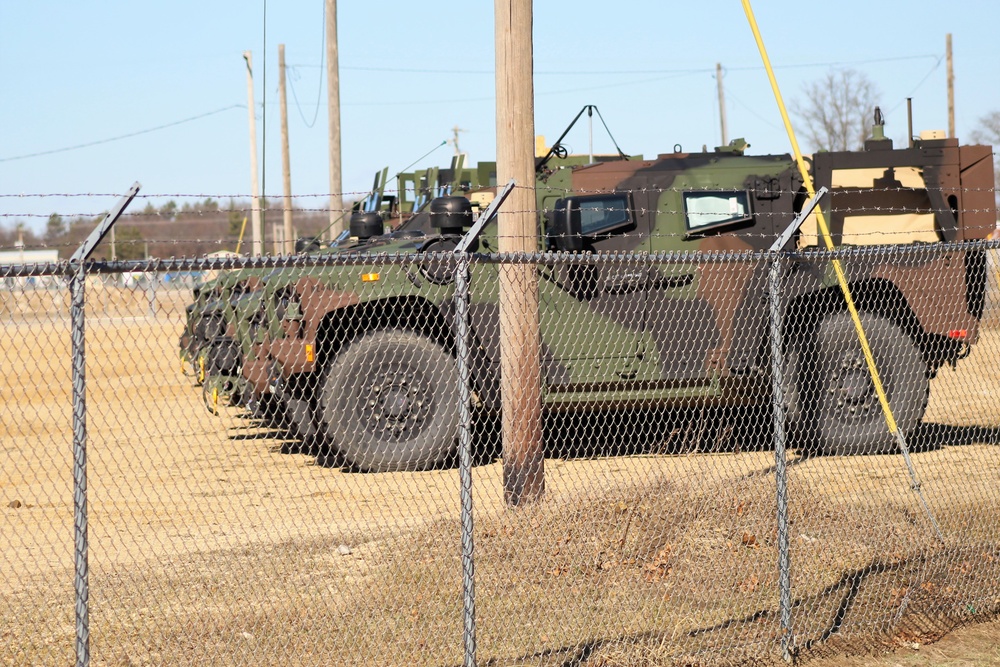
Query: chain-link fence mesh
x=274 y=471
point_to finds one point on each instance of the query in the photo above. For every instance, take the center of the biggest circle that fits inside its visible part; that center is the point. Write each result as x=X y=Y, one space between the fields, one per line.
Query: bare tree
x=837 y=110
x=988 y=130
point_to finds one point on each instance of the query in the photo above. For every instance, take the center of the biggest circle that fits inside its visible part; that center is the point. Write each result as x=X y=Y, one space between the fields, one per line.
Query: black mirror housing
x=565 y=231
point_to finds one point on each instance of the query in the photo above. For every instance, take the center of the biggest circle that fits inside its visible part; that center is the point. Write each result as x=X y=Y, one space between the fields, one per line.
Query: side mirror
x=565 y=231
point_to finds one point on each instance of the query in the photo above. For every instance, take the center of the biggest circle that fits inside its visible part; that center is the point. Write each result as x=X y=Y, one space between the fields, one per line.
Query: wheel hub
x=852 y=387
x=396 y=403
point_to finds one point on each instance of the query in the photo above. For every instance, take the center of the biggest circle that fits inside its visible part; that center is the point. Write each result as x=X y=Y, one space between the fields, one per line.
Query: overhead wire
x=419 y=70
x=157 y=128
x=319 y=88
x=122 y=136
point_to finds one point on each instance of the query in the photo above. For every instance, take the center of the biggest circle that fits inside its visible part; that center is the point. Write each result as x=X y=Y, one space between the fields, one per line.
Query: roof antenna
x=909 y=121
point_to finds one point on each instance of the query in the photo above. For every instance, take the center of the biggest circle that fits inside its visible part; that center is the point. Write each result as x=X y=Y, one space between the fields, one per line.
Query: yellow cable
x=824 y=230
x=243 y=229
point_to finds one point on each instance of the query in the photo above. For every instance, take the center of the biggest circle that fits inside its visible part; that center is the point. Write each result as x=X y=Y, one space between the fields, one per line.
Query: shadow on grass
x=677 y=431
x=691 y=430
x=259 y=434
x=765 y=624
x=929 y=436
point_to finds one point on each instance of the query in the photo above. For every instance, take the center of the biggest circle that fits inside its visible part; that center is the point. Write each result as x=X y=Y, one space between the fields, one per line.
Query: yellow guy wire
x=824 y=230
x=242 y=229
x=841 y=279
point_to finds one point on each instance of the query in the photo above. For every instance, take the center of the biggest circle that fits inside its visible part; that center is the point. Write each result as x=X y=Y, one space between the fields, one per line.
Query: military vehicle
x=209 y=345
x=364 y=355
x=223 y=318
x=208 y=318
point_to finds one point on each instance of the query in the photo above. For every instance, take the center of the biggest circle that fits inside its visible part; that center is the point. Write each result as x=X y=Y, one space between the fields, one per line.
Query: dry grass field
x=210 y=545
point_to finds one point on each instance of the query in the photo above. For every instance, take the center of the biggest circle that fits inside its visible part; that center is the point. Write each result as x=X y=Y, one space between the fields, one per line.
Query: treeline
x=186 y=230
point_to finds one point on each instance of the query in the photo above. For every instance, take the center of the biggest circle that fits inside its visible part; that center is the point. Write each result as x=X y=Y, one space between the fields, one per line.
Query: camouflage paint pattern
x=690 y=327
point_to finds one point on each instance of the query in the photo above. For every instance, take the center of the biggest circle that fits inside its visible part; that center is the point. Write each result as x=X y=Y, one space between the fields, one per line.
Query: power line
x=841 y=63
x=920 y=83
x=491 y=72
x=298 y=105
x=319 y=89
x=123 y=136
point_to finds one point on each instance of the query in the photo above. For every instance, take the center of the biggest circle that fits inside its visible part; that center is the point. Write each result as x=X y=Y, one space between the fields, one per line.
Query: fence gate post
x=81 y=579
x=465 y=458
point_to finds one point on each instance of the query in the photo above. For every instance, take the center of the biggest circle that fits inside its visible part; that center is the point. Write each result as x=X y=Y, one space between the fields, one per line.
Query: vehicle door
x=591 y=312
x=699 y=286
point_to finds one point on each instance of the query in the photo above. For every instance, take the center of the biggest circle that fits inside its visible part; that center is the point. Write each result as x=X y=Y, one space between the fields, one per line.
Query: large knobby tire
x=795 y=394
x=389 y=402
x=850 y=415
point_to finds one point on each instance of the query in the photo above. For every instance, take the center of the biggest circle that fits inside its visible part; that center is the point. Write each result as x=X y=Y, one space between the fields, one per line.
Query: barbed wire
x=357 y=258
x=165 y=218
x=883 y=237
x=419 y=189
x=190 y=211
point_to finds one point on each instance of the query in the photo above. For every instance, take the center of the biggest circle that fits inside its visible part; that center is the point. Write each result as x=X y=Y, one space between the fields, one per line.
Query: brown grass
x=208 y=545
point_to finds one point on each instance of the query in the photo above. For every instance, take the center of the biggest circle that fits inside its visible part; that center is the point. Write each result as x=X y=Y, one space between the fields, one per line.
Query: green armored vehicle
x=675 y=313
x=223 y=319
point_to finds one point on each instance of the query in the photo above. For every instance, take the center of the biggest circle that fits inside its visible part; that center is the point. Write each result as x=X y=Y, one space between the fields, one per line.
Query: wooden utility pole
x=523 y=463
x=257 y=247
x=337 y=222
x=286 y=164
x=722 y=103
x=951 y=88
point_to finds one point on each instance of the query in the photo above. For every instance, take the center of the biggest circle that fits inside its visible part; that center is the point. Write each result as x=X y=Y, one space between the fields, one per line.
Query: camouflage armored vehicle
x=365 y=356
x=208 y=318
x=223 y=319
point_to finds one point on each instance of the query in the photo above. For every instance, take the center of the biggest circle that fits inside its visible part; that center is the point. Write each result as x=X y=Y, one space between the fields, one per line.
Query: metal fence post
x=81 y=579
x=780 y=469
x=153 y=278
x=778 y=412
x=465 y=458
x=465 y=421
x=78 y=281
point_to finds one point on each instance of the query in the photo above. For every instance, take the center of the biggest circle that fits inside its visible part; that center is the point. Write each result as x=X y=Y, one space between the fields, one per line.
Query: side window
x=603 y=214
x=708 y=210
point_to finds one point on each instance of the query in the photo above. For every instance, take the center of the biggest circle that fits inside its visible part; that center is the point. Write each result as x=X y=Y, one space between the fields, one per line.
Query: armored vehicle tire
x=851 y=420
x=389 y=401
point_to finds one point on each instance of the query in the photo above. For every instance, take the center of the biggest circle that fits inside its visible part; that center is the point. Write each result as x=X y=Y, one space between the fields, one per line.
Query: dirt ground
x=971 y=646
x=169 y=483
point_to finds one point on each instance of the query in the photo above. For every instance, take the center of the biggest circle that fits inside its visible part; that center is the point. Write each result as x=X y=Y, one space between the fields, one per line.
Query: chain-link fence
x=306 y=459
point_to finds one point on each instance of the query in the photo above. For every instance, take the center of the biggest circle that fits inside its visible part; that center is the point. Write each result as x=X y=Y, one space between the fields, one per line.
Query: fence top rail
x=197 y=264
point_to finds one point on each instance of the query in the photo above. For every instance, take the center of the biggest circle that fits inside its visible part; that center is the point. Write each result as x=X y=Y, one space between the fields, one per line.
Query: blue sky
x=88 y=73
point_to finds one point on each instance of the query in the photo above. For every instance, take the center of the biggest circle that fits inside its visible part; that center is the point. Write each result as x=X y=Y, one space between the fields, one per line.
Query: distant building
x=20 y=256
x=10 y=257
